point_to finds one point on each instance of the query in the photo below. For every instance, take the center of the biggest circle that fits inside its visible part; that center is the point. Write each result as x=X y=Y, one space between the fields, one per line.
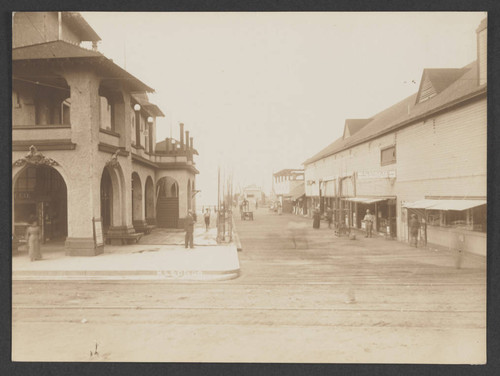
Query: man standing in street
x=329 y=216
x=207 y=219
x=414 y=227
x=189 y=227
x=368 y=223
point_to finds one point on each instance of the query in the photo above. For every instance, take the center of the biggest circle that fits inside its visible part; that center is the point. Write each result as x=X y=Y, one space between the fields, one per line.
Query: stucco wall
x=38 y=27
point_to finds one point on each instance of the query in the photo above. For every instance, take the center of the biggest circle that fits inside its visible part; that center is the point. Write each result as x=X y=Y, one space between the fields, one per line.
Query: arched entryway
x=137 y=205
x=41 y=191
x=106 y=200
x=149 y=193
x=167 y=202
x=112 y=205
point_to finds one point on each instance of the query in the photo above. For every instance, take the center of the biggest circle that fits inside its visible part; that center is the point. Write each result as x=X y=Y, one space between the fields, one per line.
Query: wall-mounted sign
x=98 y=235
x=377 y=174
x=23 y=195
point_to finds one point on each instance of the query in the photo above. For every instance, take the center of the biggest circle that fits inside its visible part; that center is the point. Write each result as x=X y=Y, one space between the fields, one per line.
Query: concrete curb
x=236 y=237
x=102 y=275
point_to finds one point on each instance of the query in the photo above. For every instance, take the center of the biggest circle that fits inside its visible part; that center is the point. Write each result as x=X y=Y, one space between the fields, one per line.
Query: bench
x=125 y=238
x=147 y=229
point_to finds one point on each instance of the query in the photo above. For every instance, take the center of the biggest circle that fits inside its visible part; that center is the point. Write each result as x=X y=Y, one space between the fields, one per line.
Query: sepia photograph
x=249 y=187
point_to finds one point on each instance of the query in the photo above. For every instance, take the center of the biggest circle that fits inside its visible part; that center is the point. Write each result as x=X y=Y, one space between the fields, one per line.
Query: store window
x=434 y=217
x=455 y=218
x=388 y=155
x=471 y=219
x=27 y=180
x=479 y=218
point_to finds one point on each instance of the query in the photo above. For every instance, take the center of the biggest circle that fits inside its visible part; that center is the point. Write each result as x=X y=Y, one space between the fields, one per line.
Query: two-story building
x=84 y=149
x=288 y=188
x=425 y=155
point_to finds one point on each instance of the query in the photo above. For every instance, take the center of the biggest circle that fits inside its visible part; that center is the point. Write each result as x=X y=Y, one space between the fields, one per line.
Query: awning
x=367 y=200
x=445 y=204
x=297 y=192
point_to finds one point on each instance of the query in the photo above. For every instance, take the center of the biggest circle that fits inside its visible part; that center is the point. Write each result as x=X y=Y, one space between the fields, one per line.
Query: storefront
x=383 y=210
x=451 y=223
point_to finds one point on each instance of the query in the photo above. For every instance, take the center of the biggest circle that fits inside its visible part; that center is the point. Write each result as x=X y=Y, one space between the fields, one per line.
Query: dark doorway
x=167 y=203
x=106 y=200
x=41 y=191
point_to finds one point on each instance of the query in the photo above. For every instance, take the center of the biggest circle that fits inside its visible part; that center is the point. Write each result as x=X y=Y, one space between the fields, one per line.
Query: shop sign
x=98 y=234
x=23 y=195
x=391 y=174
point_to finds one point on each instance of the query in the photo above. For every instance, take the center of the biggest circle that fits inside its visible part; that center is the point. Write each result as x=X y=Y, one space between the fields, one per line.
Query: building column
x=83 y=180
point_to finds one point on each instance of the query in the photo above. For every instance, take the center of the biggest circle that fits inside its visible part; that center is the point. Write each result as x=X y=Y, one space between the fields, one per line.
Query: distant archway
x=149 y=198
x=137 y=204
x=112 y=199
x=167 y=202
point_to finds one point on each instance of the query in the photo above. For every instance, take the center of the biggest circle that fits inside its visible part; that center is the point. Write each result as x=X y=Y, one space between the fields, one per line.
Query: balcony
x=44 y=137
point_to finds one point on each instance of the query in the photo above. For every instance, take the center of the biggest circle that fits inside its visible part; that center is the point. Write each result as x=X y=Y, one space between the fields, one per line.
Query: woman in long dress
x=316 y=218
x=33 y=240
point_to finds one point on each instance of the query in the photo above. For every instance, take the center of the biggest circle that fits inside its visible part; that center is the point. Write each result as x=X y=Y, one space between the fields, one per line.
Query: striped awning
x=444 y=204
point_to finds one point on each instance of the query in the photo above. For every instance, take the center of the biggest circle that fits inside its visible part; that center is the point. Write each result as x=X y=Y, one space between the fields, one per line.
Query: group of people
x=317 y=217
x=368 y=219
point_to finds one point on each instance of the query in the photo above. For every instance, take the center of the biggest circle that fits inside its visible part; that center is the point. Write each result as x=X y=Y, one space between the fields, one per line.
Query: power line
x=41 y=84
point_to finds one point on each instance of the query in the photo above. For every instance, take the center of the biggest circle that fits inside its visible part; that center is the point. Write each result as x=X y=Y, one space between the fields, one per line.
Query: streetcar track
x=67 y=307
x=230 y=282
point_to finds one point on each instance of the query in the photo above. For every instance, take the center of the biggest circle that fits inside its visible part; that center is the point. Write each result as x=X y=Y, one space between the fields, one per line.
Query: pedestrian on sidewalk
x=368 y=219
x=207 y=218
x=189 y=227
x=329 y=216
x=414 y=227
x=316 y=218
x=33 y=235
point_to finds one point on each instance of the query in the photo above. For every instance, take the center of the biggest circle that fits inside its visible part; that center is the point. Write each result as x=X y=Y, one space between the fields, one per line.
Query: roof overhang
x=67 y=54
x=367 y=200
x=444 y=204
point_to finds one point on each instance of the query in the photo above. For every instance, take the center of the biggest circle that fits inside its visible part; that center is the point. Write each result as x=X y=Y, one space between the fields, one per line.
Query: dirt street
x=324 y=300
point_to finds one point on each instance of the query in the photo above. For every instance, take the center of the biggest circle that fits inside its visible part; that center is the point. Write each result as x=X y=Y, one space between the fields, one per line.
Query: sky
x=261 y=92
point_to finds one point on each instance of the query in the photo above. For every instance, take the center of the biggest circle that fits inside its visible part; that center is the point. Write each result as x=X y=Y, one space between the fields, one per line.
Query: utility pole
x=218 y=204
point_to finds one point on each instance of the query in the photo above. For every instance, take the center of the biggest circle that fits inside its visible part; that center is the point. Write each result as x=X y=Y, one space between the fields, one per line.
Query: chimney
x=187 y=140
x=167 y=144
x=59 y=25
x=482 y=51
x=191 y=143
x=181 y=125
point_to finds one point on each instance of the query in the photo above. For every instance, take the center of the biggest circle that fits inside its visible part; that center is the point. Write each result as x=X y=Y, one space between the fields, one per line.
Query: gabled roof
x=65 y=51
x=436 y=80
x=407 y=111
x=353 y=125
